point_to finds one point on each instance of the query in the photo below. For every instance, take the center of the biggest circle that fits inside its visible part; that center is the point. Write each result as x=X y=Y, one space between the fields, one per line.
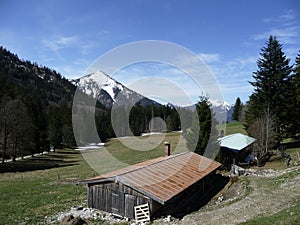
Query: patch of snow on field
x=90 y=146
x=152 y=133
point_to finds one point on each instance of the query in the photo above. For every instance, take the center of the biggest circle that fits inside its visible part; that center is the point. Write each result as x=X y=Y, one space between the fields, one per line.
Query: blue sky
x=69 y=36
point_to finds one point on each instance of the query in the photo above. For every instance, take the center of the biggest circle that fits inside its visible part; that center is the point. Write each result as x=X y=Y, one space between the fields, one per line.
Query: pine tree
x=203 y=127
x=271 y=86
x=237 y=110
x=294 y=101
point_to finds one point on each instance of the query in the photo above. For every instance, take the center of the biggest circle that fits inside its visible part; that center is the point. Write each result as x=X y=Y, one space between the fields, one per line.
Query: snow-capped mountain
x=107 y=90
x=221 y=109
x=219 y=104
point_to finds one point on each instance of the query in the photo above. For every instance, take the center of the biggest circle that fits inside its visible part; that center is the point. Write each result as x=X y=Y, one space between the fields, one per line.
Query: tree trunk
x=5 y=136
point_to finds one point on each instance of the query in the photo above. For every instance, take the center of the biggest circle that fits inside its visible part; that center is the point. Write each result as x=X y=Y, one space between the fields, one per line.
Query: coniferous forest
x=36 y=110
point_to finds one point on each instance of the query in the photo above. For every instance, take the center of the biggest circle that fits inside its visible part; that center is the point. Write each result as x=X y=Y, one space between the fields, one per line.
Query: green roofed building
x=236 y=147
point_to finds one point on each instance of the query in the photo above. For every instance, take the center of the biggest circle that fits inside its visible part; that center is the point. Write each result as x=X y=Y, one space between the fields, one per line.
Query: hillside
x=19 y=77
x=35 y=107
x=235 y=127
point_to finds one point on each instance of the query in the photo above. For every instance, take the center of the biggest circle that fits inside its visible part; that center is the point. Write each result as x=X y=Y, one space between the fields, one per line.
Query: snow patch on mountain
x=222 y=110
x=219 y=104
x=101 y=86
x=93 y=83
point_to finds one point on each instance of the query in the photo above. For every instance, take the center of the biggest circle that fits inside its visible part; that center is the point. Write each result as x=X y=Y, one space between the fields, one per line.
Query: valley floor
x=37 y=188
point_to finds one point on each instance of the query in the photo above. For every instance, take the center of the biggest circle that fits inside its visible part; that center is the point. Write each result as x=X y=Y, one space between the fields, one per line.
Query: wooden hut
x=236 y=148
x=171 y=185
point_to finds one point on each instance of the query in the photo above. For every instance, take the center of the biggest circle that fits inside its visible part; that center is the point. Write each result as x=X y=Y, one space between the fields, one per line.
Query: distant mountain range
x=107 y=90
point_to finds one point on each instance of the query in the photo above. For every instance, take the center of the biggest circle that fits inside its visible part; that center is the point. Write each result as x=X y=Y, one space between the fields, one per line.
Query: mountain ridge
x=109 y=91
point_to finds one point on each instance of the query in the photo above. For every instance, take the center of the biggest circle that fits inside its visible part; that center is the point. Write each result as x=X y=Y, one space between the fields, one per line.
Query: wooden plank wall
x=120 y=199
x=116 y=198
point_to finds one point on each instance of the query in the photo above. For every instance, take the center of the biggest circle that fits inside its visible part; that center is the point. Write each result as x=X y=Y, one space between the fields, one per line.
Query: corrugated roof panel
x=236 y=141
x=164 y=177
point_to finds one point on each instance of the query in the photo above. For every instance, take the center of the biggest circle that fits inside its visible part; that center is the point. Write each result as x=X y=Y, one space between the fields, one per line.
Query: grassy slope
x=34 y=188
x=287 y=216
x=235 y=127
x=117 y=154
x=30 y=196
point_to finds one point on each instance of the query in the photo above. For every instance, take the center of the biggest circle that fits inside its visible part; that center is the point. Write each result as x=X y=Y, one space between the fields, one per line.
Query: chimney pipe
x=167 y=148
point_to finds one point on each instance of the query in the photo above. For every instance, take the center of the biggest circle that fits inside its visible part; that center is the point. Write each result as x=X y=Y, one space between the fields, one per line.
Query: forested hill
x=22 y=77
x=35 y=106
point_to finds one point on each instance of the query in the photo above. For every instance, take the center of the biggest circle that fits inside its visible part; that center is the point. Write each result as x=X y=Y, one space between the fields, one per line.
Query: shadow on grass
x=44 y=162
x=291 y=144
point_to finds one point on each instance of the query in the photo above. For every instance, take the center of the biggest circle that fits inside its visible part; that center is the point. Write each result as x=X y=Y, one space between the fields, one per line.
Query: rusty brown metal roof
x=162 y=178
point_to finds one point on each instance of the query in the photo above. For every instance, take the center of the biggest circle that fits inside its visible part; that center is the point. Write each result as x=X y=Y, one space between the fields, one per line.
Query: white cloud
x=60 y=42
x=287 y=35
x=210 y=58
x=287 y=16
x=163 y=89
x=292 y=52
x=233 y=76
x=167 y=82
x=285 y=27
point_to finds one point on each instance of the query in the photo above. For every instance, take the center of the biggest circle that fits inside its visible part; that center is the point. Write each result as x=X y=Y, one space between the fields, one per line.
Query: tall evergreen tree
x=271 y=85
x=237 y=110
x=203 y=127
x=294 y=101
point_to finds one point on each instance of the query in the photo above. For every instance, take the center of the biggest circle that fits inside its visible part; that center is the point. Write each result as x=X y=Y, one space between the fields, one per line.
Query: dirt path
x=269 y=194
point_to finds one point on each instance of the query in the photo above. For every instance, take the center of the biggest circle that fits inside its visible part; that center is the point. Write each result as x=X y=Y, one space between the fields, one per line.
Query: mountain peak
x=107 y=90
x=100 y=80
x=219 y=103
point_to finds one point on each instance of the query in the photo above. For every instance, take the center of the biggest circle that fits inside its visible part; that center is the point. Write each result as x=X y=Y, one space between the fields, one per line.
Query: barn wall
x=116 y=198
x=120 y=199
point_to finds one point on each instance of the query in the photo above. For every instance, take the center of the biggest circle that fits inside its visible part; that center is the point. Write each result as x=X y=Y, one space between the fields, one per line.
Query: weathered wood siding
x=120 y=199
x=115 y=198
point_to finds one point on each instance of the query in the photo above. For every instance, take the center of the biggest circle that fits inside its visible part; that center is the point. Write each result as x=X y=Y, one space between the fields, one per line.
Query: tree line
x=31 y=97
x=36 y=110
